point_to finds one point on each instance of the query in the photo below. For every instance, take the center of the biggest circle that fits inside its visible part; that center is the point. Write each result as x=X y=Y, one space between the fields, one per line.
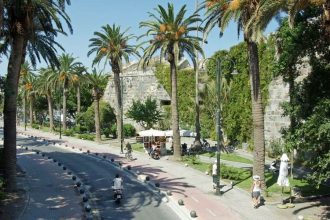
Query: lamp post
x=218 y=116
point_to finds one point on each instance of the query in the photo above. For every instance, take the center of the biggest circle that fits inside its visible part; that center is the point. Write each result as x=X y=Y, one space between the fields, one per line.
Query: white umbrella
x=183 y=133
x=152 y=132
x=283 y=179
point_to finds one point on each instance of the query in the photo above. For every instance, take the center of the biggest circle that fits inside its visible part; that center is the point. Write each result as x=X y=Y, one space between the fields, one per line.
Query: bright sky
x=87 y=16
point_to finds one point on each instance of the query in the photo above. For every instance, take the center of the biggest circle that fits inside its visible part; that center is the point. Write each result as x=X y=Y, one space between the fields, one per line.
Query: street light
x=218 y=116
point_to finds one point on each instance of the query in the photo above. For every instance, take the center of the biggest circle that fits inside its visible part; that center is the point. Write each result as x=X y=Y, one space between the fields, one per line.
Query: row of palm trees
x=30 y=27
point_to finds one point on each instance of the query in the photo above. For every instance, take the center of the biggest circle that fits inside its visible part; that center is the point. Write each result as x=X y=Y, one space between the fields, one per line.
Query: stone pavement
x=50 y=192
x=194 y=187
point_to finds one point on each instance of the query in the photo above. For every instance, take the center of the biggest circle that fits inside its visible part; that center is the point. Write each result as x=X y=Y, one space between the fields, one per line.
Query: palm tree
x=29 y=27
x=112 y=45
x=98 y=82
x=29 y=85
x=222 y=12
x=67 y=74
x=171 y=35
x=25 y=74
x=45 y=87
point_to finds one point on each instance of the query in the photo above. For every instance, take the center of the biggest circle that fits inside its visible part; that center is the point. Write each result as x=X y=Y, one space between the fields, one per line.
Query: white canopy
x=183 y=133
x=152 y=132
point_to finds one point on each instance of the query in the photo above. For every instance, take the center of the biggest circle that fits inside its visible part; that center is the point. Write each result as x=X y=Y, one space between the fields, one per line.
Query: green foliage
x=89 y=137
x=129 y=130
x=146 y=114
x=234 y=173
x=113 y=130
x=85 y=120
x=69 y=132
x=186 y=84
x=275 y=149
x=309 y=106
x=35 y=126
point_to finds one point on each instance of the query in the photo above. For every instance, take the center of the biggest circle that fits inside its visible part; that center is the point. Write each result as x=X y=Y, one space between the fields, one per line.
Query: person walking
x=215 y=174
x=256 y=191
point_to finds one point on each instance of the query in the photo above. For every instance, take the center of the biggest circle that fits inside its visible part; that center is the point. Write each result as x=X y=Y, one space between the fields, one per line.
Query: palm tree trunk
x=197 y=141
x=119 y=116
x=31 y=111
x=65 y=94
x=97 y=116
x=1 y=15
x=9 y=110
x=24 y=111
x=78 y=99
x=175 y=113
x=50 y=111
x=257 y=112
x=326 y=7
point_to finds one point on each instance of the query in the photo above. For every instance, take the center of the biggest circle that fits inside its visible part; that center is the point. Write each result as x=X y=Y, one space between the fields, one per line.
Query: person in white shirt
x=117 y=182
x=215 y=174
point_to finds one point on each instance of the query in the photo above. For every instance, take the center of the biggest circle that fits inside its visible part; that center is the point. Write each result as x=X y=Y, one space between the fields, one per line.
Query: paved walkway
x=50 y=193
x=193 y=186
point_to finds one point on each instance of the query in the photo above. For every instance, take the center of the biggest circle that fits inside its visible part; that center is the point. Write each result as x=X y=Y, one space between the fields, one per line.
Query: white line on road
x=193 y=198
x=212 y=213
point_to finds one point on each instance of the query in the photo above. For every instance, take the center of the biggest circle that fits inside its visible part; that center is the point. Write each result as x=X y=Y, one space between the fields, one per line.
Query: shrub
x=129 y=130
x=113 y=130
x=35 y=126
x=234 y=173
x=275 y=149
x=69 y=132
x=86 y=136
x=106 y=132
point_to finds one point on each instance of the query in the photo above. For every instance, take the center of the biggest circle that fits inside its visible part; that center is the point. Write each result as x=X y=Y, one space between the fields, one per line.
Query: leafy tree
x=112 y=45
x=171 y=35
x=146 y=114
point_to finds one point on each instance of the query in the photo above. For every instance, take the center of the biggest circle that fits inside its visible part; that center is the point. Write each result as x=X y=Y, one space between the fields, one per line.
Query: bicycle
x=128 y=155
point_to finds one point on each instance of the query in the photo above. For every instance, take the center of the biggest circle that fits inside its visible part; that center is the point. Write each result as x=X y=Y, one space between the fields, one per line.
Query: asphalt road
x=138 y=202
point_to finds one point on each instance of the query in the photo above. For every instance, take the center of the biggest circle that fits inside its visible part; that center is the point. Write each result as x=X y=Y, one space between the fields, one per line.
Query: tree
x=112 y=45
x=29 y=27
x=67 y=74
x=170 y=34
x=146 y=114
x=98 y=82
x=221 y=12
x=45 y=87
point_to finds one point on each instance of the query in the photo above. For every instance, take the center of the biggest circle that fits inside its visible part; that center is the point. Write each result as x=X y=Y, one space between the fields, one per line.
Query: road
x=138 y=202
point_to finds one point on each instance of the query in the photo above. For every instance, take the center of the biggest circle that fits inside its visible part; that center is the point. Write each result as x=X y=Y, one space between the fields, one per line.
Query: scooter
x=117 y=195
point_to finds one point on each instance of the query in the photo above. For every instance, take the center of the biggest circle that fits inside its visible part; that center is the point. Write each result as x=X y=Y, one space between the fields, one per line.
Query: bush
x=234 y=173
x=106 y=132
x=86 y=137
x=80 y=129
x=69 y=132
x=113 y=130
x=275 y=149
x=129 y=130
x=35 y=126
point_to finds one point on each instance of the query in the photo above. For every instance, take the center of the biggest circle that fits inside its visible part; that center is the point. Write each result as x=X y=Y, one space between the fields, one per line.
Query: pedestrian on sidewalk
x=256 y=191
x=215 y=174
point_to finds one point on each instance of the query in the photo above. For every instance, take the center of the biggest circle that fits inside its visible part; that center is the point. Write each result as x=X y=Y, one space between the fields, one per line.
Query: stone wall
x=274 y=119
x=136 y=85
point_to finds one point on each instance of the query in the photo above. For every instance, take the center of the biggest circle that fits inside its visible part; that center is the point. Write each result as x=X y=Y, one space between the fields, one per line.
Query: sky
x=88 y=16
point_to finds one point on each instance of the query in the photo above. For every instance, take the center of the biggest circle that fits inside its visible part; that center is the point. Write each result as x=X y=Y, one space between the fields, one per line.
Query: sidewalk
x=50 y=194
x=193 y=186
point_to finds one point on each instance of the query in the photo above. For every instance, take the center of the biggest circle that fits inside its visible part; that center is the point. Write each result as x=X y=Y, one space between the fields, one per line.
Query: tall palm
x=30 y=89
x=221 y=12
x=172 y=35
x=45 y=87
x=25 y=74
x=111 y=44
x=67 y=74
x=29 y=27
x=98 y=81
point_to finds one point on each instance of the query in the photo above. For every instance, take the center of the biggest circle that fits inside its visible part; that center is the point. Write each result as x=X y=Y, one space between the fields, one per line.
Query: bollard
x=157 y=184
x=180 y=202
x=193 y=214
x=82 y=191
x=64 y=168
x=74 y=177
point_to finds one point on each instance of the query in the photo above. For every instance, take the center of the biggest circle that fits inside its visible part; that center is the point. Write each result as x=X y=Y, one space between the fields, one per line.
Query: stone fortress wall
x=139 y=84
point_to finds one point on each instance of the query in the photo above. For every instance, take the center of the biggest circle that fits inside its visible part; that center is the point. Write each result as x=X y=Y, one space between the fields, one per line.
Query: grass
x=244 y=180
x=230 y=157
x=137 y=147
